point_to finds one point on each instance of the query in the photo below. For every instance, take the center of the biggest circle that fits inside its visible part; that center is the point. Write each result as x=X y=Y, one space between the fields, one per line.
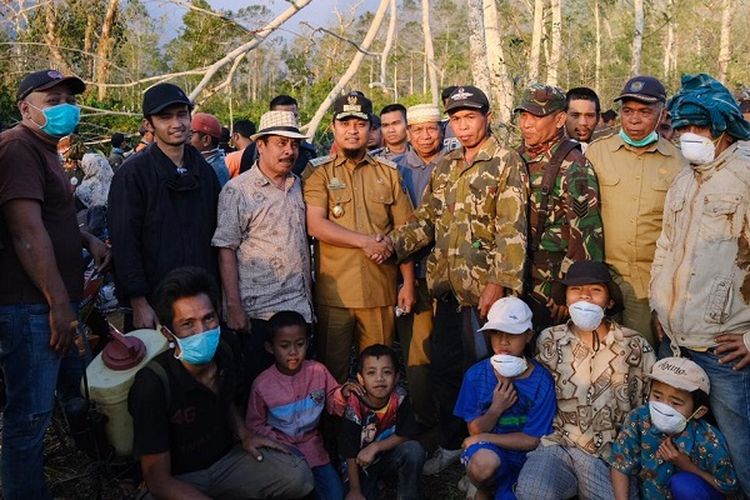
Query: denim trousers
x=30 y=367
x=730 y=404
x=328 y=485
x=405 y=461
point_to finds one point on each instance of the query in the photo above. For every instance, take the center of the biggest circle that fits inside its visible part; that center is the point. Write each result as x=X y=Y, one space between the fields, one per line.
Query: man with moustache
x=353 y=199
x=264 y=255
x=162 y=205
x=583 y=114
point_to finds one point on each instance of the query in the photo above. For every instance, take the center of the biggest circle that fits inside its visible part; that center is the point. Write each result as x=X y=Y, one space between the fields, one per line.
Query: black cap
x=46 y=79
x=466 y=97
x=163 y=95
x=352 y=105
x=586 y=272
x=645 y=89
x=117 y=139
x=376 y=123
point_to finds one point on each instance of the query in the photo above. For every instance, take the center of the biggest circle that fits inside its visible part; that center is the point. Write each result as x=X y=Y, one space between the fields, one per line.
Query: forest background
x=232 y=62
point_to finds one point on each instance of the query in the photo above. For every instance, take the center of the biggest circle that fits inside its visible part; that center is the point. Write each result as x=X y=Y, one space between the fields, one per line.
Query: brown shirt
x=633 y=188
x=371 y=200
x=30 y=169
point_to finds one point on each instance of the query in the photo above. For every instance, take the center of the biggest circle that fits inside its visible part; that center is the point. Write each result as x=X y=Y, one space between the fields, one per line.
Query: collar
x=661 y=145
x=486 y=152
x=413 y=160
x=540 y=150
x=340 y=159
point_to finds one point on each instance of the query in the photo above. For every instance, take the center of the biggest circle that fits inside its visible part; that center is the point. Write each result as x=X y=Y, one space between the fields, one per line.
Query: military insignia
x=460 y=95
x=338 y=211
x=336 y=183
x=352 y=104
x=580 y=207
x=636 y=86
x=387 y=162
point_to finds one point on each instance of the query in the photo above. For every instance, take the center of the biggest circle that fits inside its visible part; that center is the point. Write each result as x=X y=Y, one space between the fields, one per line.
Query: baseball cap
x=541 y=100
x=467 y=97
x=282 y=123
x=163 y=95
x=509 y=315
x=46 y=79
x=207 y=124
x=423 y=113
x=645 y=89
x=352 y=105
x=682 y=373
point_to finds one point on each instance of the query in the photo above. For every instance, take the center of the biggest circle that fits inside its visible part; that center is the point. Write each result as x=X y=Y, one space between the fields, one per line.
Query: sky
x=317 y=13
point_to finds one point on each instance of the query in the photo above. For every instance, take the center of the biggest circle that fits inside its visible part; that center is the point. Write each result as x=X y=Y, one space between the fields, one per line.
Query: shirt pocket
x=718 y=305
x=721 y=216
x=658 y=195
x=482 y=200
x=379 y=200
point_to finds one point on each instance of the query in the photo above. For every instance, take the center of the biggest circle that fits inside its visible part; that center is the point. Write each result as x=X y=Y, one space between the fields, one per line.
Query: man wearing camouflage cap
x=564 y=220
x=416 y=167
x=635 y=168
x=474 y=212
x=353 y=199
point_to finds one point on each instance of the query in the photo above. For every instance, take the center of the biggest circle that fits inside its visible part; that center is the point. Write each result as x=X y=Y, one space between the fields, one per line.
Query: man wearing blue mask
x=187 y=430
x=41 y=272
x=635 y=167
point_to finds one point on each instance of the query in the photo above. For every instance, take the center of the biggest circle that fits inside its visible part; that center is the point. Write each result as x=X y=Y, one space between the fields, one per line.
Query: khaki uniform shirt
x=371 y=200
x=633 y=188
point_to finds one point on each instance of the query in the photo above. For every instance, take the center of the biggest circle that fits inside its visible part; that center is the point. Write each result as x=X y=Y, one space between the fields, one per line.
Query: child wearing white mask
x=667 y=445
x=600 y=370
x=507 y=401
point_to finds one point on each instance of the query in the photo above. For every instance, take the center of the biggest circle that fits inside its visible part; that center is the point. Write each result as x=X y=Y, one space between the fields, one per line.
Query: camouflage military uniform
x=476 y=216
x=573 y=229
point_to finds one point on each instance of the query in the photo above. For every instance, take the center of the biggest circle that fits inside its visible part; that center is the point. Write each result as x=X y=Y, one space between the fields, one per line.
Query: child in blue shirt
x=508 y=402
x=667 y=445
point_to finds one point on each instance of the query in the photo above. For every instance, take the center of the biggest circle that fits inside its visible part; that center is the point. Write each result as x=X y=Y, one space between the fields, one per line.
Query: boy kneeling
x=507 y=401
x=377 y=430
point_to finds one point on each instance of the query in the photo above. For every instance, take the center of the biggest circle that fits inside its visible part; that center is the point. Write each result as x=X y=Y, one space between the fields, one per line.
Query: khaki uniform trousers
x=637 y=313
x=339 y=327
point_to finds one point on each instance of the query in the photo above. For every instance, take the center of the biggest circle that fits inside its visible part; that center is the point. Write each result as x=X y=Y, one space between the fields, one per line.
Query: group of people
x=530 y=290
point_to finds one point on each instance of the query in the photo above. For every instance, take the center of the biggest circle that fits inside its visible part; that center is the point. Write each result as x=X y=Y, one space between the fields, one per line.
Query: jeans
x=30 y=366
x=405 y=460
x=328 y=484
x=730 y=404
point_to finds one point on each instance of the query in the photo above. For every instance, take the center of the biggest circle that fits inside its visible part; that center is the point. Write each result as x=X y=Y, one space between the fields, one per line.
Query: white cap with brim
x=681 y=373
x=509 y=315
x=283 y=123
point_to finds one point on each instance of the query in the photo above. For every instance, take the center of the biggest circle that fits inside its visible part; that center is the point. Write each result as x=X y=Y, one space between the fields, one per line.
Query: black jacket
x=160 y=219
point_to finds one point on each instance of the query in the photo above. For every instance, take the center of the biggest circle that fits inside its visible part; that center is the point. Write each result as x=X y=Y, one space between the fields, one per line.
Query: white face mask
x=586 y=316
x=665 y=418
x=696 y=149
x=508 y=366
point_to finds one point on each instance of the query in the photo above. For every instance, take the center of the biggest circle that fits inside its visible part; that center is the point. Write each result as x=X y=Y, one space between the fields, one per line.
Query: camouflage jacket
x=476 y=217
x=573 y=229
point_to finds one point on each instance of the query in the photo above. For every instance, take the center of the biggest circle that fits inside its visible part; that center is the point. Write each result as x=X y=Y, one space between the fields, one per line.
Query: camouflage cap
x=540 y=99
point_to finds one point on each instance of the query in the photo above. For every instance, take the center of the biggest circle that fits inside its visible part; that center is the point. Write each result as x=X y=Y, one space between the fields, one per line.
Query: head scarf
x=94 y=187
x=704 y=101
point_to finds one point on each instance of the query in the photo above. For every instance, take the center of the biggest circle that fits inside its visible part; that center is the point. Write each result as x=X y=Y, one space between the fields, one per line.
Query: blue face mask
x=649 y=139
x=198 y=349
x=60 y=120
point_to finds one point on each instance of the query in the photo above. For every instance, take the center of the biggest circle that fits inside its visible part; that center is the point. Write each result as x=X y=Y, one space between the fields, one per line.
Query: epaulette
x=387 y=162
x=316 y=162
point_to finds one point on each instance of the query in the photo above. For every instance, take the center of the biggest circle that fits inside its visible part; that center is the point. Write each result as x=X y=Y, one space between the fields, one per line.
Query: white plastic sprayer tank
x=109 y=385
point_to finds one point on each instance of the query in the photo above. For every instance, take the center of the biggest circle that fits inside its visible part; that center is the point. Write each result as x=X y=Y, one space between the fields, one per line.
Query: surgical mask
x=696 y=149
x=198 y=349
x=59 y=120
x=649 y=139
x=508 y=366
x=666 y=419
x=586 y=316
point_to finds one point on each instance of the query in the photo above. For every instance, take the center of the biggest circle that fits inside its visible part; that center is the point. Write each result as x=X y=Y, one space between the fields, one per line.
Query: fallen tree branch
x=343 y=39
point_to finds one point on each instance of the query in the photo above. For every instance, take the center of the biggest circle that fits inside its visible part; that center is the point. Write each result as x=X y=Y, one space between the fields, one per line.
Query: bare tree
x=500 y=84
x=104 y=48
x=388 y=45
x=726 y=28
x=312 y=127
x=477 y=46
x=669 y=42
x=598 y=60
x=536 y=40
x=635 y=67
x=429 y=51
x=553 y=65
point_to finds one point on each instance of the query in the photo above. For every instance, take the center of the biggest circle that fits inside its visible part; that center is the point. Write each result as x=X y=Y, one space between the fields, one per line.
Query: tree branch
x=343 y=39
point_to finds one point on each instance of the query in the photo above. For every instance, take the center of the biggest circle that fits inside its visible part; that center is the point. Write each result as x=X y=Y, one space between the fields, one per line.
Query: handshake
x=377 y=247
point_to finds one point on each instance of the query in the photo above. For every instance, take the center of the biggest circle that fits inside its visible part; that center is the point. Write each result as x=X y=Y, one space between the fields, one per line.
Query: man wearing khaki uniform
x=635 y=168
x=352 y=200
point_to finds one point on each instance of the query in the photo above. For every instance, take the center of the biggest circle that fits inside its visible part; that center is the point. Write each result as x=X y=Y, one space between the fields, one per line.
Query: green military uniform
x=476 y=216
x=572 y=225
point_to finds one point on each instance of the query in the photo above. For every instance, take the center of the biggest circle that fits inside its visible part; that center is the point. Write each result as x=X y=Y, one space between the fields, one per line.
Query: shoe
x=466 y=486
x=471 y=493
x=441 y=460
